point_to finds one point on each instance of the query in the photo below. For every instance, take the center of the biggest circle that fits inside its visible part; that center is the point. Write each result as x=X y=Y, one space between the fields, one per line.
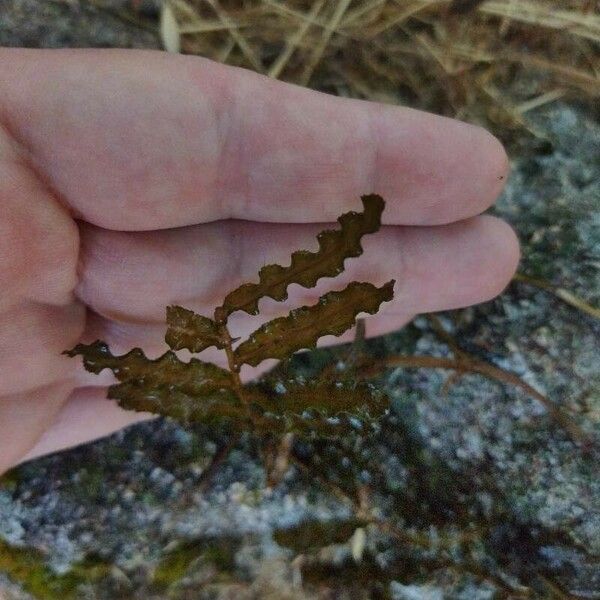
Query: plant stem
x=466 y=364
x=561 y=293
x=233 y=367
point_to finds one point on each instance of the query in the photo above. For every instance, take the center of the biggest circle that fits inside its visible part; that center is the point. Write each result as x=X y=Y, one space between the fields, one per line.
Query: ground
x=470 y=488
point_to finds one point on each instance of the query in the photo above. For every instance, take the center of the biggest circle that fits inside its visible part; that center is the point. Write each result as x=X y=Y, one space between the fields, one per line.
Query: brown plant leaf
x=314 y=408
x=334 y=313
x=202 y=392
x=191 y=331
x=306 y=268
x=187 y=391
x=168 y=401
x=329 y=399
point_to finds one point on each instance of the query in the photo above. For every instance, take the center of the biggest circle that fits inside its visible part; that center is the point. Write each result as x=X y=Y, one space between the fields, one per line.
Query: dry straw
x=485 y=61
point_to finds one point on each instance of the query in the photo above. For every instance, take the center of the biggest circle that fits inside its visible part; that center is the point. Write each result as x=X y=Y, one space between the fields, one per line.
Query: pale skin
x=133 y=180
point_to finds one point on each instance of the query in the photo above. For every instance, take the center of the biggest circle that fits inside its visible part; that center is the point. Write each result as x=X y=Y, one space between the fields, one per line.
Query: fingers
x=140 y=140
x=132 y=277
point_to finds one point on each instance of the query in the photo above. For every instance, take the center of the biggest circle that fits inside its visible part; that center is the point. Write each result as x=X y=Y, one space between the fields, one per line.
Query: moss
x=27 y=568
x=10 y=480
x=174 y=567
x=177 y=564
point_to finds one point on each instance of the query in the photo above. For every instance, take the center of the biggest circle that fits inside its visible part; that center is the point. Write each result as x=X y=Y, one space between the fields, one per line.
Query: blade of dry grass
x=533 y=13
x=329 y=30
x=186 y=10
x=198 y=27
x=243 y=45
x=353 y=16
x=169 y=29
x=576 y=77
x=541 y=100
x=402 y=16
x=563 y=294
x=227 y=49
x=292 y=43
x=290 y=12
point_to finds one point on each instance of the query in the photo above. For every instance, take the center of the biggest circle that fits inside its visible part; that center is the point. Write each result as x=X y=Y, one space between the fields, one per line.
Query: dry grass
x=487 y=61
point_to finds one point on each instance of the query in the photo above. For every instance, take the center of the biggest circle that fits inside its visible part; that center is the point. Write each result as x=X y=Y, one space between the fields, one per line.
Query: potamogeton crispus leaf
x=328 y=399
x=191 y=331
x=317 y=408
x=306 y=268
x=334 y=313
x=187 y=391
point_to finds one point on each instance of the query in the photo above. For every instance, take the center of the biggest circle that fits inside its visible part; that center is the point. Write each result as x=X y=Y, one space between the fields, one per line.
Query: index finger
x=138 y=140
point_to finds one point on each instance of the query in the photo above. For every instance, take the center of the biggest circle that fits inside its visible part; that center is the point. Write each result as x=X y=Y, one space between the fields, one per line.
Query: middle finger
x=131 y=277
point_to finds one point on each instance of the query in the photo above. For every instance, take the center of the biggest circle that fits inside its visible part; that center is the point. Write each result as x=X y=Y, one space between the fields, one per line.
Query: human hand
x=132 y=180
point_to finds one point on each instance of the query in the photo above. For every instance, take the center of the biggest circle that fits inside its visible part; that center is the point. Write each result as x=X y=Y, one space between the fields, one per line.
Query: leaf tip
x=374 y=201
